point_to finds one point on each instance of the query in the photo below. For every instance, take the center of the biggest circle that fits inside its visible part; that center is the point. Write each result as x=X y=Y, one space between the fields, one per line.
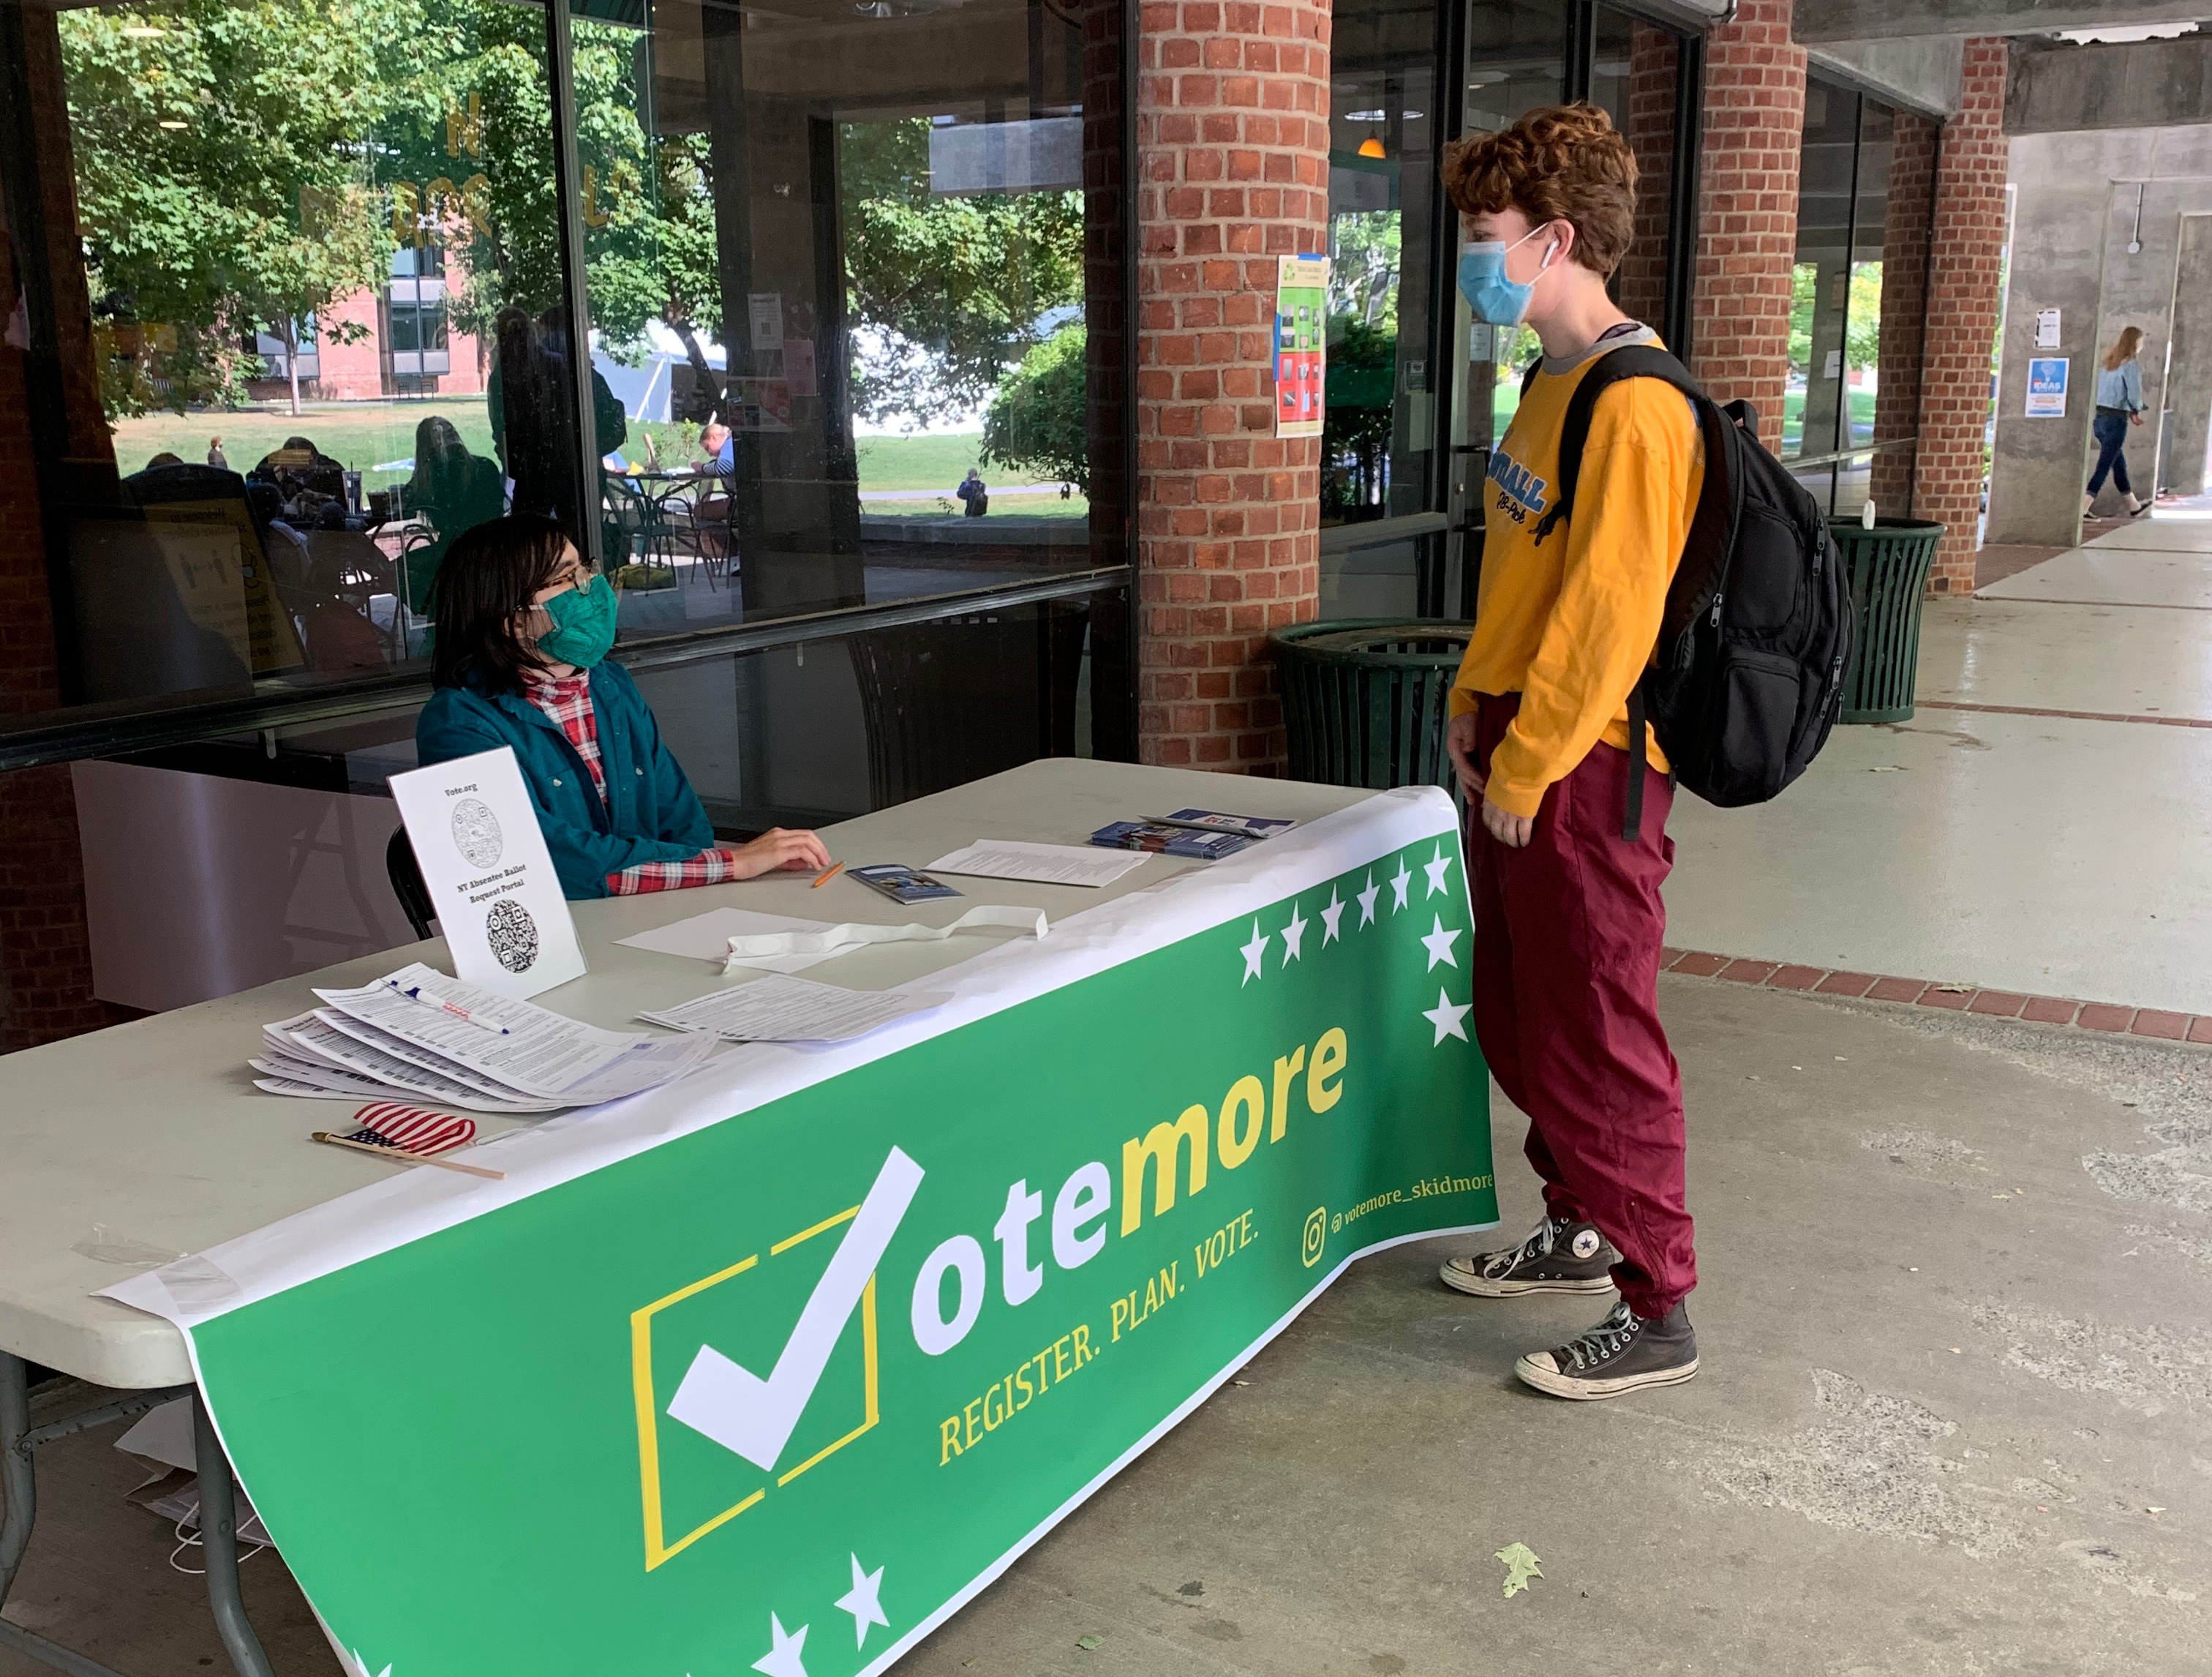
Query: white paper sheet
x=1045 y=865
x=332 y=1038
x=542 y=1052
x=777 y=1008
x=759 y=950
x=707 y=937
x=492 y=886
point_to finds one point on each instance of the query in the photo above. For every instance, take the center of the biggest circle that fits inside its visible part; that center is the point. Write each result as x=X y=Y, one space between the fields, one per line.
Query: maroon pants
x=1567 y=933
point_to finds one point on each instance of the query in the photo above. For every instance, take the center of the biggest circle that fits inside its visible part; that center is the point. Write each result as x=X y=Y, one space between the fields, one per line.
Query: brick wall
x=1963 y=286
x=1649 y=124
x=1904 y=307
x=1232 y=141
x=46 y=953
x=1753 y=119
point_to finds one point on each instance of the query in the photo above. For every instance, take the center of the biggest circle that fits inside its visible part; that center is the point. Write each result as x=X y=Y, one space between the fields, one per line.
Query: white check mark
x=756 y=1418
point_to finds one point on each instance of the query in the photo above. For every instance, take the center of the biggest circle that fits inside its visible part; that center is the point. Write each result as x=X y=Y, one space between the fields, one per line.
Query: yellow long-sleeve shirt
x=1570 y=624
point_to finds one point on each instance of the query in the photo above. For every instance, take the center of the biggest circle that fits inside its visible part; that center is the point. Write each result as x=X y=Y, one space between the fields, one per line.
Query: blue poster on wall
x=2046 y=388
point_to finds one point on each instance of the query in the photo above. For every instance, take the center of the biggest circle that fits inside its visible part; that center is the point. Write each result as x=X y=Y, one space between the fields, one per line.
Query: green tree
x=946 y=290
x=1863 y=329
x=221 y=184
x=1038 y=421
x=1365 y=247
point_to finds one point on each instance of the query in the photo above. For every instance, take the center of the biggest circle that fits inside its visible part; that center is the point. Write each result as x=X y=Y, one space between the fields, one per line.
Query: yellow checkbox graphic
x=658 y=1549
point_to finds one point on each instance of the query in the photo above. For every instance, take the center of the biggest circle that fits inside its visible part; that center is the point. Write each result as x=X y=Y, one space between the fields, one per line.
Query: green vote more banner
x=772 y=1369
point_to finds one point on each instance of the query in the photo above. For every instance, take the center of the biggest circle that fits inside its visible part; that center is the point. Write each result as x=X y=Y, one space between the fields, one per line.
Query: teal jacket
x=651 y=814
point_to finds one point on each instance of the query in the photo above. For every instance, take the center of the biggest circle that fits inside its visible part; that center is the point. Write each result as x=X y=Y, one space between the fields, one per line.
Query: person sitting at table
x=451 y=491
x=299 y=468
x=710 y=515
x=523 y=630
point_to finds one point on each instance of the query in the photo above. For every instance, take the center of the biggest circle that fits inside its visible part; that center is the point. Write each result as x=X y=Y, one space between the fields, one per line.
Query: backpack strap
x=1631 y=361
x=1632 y=826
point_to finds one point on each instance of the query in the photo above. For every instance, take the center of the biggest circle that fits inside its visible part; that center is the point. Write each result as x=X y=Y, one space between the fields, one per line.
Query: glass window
x=288 y=403
x=842 y=269
x=1516 y=60
x=1379 y=441
x=1813 y=407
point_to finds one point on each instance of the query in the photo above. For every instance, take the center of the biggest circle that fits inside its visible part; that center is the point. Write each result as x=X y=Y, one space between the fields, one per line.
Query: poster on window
x=1301 y=339
x=2046 y=388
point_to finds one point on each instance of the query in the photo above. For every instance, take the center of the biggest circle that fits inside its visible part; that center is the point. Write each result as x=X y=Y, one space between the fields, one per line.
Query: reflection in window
x=841 y=288
x=297 y=343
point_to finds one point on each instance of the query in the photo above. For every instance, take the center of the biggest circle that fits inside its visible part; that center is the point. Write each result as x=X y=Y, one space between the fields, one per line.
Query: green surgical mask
x=583 y=625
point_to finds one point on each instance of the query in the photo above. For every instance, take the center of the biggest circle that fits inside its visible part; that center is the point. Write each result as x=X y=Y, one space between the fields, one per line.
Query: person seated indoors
x=523 y=630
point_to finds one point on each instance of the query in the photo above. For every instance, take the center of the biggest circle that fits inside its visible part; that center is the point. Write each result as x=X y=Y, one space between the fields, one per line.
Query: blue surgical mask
x=1495 y=299
x=583 y=625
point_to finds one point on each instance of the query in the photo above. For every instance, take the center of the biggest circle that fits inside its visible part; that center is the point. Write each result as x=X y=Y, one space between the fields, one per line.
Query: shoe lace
x=1540 y=1242
x=1606 y=1340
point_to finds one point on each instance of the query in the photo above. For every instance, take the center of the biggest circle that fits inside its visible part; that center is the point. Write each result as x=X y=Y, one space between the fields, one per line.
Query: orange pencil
x=821 y=880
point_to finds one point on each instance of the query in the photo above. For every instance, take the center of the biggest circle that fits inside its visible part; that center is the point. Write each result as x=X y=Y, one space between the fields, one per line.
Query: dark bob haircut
x=484 y=581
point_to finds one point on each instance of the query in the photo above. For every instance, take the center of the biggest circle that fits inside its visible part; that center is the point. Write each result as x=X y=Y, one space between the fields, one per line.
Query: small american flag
x=410 y=1129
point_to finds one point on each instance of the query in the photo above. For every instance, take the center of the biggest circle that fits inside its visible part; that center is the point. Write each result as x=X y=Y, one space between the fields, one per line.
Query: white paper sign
x=492 y=884
x=2046 y=328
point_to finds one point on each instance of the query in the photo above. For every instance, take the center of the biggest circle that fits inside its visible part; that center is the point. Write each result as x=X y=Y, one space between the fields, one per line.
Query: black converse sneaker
x=1622 y=1353
x=1558 y=1257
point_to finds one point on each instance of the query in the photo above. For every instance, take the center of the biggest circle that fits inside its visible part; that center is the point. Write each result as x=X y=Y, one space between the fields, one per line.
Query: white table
x=154 y=1131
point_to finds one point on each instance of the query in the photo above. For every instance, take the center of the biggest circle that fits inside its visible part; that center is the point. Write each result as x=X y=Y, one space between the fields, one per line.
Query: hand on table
x=779 y=849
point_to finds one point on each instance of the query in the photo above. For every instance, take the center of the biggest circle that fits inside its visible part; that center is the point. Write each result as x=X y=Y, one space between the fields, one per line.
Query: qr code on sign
x=512 y=934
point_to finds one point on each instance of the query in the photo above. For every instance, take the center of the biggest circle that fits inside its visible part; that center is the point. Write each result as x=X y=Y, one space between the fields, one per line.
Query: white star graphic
x=360 y=1666
x=1254 y=954
x=1439 y=943
x=1437 y=867
x=863 y=1601
x=1330 y=915
x=782 y=1658
x=1446 y=1017
x=1367 y=900
x=1399 y=881
x=1294 y=936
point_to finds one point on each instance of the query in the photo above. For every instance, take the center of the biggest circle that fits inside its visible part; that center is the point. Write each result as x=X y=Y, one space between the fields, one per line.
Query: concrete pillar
x=1754 y=119
x=1965 y=277
x=2188 y=373
x=1232 y=141
x=1904 y=307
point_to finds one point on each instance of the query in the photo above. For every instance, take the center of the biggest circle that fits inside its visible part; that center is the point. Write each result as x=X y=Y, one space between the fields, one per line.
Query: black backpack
x=1749 y=673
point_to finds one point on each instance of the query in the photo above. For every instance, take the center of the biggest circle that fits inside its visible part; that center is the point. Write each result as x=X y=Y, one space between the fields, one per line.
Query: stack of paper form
x=420 y=1035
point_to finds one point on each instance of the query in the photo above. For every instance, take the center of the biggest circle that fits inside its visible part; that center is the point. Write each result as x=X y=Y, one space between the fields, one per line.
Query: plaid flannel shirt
x=568 y=701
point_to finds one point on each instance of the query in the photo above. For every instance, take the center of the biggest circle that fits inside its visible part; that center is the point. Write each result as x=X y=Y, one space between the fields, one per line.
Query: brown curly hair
x=1559 y=162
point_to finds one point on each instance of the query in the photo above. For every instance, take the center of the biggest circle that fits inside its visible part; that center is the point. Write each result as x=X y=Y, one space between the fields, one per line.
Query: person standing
x=973 y=492
x=1568 y=919
x=2119 y=405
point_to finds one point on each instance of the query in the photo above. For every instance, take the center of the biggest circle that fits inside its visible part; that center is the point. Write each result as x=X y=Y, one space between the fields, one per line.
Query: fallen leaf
x=1887 y=768
x=1952 y=989
x=1086 y=1643
x=1521 y=1565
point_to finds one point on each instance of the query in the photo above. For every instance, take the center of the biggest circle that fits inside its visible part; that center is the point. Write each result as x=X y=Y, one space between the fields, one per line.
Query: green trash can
x=1363 y=699
x=1888 y=566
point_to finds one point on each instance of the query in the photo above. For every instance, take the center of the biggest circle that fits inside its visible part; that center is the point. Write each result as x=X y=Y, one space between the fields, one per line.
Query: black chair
x=407 y=883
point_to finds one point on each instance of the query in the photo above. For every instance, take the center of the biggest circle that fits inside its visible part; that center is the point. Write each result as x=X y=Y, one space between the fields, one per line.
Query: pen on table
x=823 y=878
x=416 y=994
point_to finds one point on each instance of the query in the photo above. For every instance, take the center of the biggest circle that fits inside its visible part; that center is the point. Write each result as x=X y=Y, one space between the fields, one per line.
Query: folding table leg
x=19 y=1488
x=219 y=1544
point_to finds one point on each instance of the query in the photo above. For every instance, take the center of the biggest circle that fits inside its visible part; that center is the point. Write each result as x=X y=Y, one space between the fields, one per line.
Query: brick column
x=1964 y=271
x=1904 y=308
x=1649 y=126
x=1754 y=119
x=1232 y=139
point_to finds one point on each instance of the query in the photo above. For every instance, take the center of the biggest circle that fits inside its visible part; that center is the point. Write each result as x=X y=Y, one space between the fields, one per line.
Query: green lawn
x=1793 y=418
x=365 y=435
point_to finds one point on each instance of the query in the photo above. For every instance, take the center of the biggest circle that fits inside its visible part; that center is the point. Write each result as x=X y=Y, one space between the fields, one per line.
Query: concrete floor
x=2050 y=854
x=1953 y=1418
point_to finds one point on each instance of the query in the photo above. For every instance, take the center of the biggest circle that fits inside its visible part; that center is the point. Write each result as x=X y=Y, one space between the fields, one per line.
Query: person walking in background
x=973 y=492
x=2119 y=405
